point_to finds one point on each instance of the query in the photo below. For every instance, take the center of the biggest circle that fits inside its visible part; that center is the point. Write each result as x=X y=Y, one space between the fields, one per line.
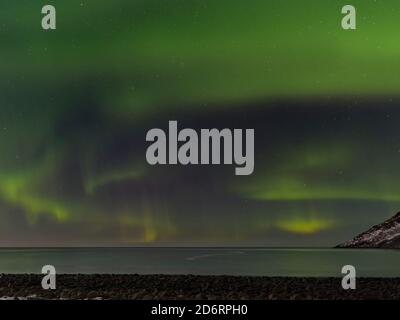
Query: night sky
x=76 y=104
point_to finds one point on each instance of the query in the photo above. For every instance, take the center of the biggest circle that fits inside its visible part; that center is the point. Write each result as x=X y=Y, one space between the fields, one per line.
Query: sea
x=282 y=262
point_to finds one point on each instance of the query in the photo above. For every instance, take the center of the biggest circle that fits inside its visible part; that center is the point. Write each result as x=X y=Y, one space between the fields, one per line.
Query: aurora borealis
x=76 y=103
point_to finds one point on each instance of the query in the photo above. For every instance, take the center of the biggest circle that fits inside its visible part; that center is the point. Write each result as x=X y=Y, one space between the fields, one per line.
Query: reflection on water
x=203 y=261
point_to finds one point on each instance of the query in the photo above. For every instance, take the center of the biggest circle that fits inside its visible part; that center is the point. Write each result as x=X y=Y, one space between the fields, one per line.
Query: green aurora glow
x=75 y=105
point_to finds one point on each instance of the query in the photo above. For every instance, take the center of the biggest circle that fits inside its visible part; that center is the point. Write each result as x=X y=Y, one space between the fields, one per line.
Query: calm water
x=204 y=261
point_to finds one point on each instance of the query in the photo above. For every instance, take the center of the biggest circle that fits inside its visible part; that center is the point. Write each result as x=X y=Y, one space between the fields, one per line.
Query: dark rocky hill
x=383 y=235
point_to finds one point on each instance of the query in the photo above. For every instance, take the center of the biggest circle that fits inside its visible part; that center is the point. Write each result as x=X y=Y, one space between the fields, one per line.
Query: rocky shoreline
x=166 y=287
